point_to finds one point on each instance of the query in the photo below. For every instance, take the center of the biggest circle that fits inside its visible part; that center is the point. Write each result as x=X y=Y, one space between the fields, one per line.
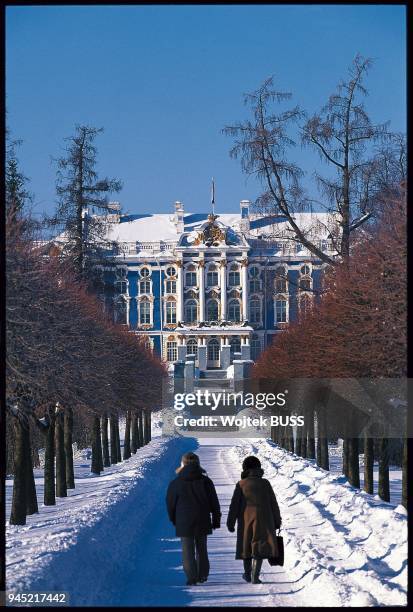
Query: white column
x=201 y=283
x=223 y=271
x=180 y=288
x=244 y=284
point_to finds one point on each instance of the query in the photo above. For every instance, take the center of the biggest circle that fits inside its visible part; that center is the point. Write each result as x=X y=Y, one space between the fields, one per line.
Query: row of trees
x=71 y=373
x=356 y=331
x=359 y=328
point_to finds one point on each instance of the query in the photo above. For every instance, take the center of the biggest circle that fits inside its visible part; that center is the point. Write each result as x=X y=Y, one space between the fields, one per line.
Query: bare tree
x=341 y=133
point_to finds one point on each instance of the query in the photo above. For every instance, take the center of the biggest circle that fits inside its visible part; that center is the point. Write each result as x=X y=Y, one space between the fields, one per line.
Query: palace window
x=192 y=347
x=212 y=278
x=235 y=345
x=144 y=272
x=144 y=286
x=171 y=311
x=255 y=285
x=191 y=311
x=121 y=287
x=281 y=310
x=280 y=279
x=190 y=279
x=171 y=351
x=234 y=311
x=305 y=269
x=255 y=348
x=170 y=271
x=234 y=276
x=255 y=310
x=144 y=312
x=121 y=312
x=305 y=284
x=212 y=310
x=170 y=286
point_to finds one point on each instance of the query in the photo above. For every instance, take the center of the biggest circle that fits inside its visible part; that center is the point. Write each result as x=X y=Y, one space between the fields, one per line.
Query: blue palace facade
x=211 y=288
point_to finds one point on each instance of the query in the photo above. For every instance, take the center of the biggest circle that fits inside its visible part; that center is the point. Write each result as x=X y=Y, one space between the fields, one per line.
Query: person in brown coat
x=255 y=508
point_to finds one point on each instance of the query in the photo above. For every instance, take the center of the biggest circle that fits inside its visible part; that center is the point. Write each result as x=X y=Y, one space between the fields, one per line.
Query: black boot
x=255 y=571
x=247 y=570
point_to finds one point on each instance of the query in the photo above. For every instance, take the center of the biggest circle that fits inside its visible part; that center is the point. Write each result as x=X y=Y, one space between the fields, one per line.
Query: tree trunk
x=290 y=439
x=304 y=439
x=126 y=443
x=97 y=461
x=368 y=464
x=113 y=446
x=61 y=487
x=31 y=497
x=140 y=429
x=18 y=504
x=310 y=435
x=353 y=462
x=325 y=462
x=134 y=428
x=49 y=457
x=404 y=472
x=105 y=442
x=298 y=441
x=148 y=421
x=345 y=456
x=318 y=444
x=384 y=484
x=68 y=441
x=118 y=449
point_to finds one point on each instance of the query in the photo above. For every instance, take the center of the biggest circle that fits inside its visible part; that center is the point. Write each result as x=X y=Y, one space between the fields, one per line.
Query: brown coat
x=254 y=507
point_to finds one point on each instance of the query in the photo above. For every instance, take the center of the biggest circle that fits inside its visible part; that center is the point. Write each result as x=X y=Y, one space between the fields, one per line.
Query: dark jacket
x=254 y=507
x=191 y=499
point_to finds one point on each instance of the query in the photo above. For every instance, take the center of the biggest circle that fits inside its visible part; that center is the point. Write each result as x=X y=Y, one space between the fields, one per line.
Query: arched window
x=212 y=310
x=144 y=312
x=191 y=311
x=171 y=311
x=192 y=347
x=234 y=276
x=255 y=310
x=234 y=311
x=190 y=277
x=212 y=276
x=281 y=310
x=280 y=279
x=171 y=351
x=305 y=269
x=235 y=344
x=170 y=271
x=144 y=272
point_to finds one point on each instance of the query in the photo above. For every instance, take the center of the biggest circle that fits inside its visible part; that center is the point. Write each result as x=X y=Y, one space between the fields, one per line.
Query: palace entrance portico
x=212 y=349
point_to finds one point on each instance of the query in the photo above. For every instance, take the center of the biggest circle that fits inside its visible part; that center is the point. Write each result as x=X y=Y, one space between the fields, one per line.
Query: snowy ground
x=110 y=542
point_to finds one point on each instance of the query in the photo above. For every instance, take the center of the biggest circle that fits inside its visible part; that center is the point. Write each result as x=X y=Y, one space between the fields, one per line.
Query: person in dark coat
x=255 y=508
x=191 y=499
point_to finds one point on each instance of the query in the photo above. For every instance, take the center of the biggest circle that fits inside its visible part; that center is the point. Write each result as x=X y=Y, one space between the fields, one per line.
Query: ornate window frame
x=238 y=302
x=145 y=299
x=259 y=298
x=285 y=298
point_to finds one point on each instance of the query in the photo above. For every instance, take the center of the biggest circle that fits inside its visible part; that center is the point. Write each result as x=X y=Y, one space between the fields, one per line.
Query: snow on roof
x=155 y=227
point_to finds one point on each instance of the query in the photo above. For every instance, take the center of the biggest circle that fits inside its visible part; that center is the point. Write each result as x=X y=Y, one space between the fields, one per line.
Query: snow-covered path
x=343 y=547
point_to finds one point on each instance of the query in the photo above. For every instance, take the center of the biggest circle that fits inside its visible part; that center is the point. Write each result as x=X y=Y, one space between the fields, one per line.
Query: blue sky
x=164 y=80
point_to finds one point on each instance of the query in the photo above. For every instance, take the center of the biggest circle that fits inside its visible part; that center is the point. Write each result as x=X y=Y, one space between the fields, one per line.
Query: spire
x=213 y=196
